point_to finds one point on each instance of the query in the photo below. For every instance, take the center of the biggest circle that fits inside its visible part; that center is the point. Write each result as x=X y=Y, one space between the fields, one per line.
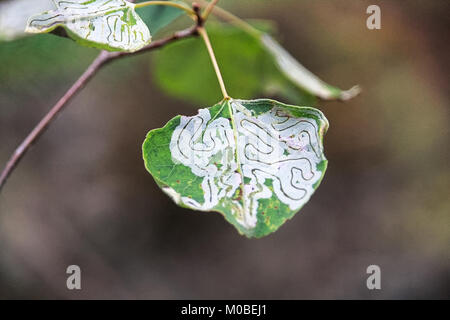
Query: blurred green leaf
x=41 y=58
x=184 y=70
x=257 y=162
x=251 y=64
x=112 y=25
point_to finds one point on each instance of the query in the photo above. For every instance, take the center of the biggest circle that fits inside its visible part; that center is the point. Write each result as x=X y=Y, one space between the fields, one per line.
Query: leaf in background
x=302 y=77
x=106 y=24
x=30 y=61
x=252 y=64
x=257 y=162
x=14 y=15
x=183 y=69
x=157 y=17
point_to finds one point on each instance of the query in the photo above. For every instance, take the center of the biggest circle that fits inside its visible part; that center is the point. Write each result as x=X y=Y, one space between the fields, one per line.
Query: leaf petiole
x=205 y=38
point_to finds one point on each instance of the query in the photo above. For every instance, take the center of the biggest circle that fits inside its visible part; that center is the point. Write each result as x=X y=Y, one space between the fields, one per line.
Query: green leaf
x=106 y=24
x=183 y=69
x=251 y=64
x=15 y=13
x=301 y=76
x=257 y=162
x=157 y=17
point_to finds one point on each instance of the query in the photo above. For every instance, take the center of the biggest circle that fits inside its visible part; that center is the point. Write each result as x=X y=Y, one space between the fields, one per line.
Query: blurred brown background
x=82 y=195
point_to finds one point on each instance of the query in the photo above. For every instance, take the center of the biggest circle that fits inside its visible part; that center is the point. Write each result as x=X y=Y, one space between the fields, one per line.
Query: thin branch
x=103 y=58
x=50 y=116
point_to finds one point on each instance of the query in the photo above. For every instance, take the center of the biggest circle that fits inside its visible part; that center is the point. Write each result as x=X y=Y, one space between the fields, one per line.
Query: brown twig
x=103 y=58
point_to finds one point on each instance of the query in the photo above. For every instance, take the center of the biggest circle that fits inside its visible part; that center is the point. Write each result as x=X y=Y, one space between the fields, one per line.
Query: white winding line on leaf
x=111 y=23
x=272 y=147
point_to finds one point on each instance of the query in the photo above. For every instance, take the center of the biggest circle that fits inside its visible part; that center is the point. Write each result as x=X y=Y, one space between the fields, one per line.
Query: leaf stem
x=166 y=3
x=239 y=167
x=204 y=35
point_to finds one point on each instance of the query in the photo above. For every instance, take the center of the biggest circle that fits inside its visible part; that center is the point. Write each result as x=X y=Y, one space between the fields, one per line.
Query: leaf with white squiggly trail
x=257 y=162
x=106 y=24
